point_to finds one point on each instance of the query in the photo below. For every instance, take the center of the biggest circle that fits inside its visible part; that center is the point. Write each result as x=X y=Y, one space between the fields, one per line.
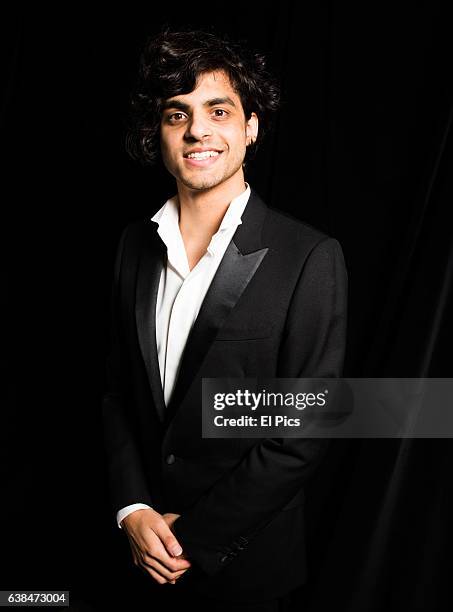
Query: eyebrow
x=182 y=106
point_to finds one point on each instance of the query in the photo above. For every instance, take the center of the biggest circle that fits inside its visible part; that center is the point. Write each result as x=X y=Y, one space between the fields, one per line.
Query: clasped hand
x=154 y=546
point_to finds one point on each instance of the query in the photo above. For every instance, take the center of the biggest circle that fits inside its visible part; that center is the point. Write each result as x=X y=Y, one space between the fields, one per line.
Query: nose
x=198 y=127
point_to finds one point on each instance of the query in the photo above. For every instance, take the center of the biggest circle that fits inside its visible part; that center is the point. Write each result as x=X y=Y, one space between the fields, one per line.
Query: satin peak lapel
x=234 y=273
x=152 y=258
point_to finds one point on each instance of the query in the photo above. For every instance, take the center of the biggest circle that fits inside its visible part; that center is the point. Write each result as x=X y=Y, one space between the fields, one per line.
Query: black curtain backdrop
x=362 y=149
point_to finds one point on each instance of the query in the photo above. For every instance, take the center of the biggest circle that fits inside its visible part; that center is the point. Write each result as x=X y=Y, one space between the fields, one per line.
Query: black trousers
x=138 y=592
x=180 y=599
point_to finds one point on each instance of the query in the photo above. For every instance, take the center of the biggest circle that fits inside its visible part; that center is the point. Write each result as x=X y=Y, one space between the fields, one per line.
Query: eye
x=176 y=117
x=220 y=112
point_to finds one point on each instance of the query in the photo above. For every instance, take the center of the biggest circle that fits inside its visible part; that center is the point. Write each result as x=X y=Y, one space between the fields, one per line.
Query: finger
x=158 y=577
x=157 y=551
x=151 y=546
x=161 y=569
x=135 y=552
x=169 y=540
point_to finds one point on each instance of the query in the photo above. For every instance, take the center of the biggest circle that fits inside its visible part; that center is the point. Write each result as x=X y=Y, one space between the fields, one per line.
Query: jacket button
x=170 y=459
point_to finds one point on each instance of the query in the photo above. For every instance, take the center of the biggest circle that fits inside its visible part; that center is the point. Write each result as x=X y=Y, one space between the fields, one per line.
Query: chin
x=205 y=182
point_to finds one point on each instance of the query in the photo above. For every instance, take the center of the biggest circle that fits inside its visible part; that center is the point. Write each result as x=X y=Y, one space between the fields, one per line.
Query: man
x=216 y=284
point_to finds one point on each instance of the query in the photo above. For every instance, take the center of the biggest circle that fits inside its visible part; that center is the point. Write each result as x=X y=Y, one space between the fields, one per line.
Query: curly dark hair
x=170 y=64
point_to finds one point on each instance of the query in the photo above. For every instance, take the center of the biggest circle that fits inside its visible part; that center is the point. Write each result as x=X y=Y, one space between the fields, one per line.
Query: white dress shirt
x=182 y=291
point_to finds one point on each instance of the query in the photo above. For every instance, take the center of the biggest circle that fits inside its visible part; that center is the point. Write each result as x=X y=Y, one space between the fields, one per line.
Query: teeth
x=203 y=155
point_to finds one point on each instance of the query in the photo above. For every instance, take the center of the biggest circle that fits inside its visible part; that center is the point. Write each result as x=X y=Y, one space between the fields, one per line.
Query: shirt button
x=170 y=459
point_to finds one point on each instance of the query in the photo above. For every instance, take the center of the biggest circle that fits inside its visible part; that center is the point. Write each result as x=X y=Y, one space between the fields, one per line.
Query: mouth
x=202 y=158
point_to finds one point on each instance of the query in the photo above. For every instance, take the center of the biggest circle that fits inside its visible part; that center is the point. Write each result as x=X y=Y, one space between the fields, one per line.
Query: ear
x=251 y=129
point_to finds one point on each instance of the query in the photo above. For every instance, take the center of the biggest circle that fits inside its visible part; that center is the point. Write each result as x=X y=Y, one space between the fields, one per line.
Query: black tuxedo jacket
x=275 y=308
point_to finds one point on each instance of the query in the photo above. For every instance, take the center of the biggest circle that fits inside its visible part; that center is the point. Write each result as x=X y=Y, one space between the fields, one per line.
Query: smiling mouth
x=202 y=155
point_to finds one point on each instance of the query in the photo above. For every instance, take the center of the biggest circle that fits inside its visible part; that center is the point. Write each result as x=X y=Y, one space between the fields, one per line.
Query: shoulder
x=135 y=232
x=289 y=226
x=285 y=232
x=281 y=225
x=308 y=249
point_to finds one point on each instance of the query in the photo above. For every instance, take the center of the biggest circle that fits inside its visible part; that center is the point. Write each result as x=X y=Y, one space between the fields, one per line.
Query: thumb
x=172 y=545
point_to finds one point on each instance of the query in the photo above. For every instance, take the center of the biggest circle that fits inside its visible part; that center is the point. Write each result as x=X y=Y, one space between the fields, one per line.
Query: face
x=204 y=134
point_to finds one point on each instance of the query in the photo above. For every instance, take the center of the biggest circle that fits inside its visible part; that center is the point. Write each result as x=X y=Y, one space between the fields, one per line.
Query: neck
x=201 y=211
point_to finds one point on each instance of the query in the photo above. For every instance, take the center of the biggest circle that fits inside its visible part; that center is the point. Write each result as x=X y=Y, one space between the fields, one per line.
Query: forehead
x=210 y=85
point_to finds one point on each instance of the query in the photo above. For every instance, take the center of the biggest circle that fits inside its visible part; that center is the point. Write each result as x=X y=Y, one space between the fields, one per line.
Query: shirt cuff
x=121 y=514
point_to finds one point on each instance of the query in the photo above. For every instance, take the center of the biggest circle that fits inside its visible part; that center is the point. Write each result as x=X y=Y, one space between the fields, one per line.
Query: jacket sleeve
x=125 y=472
x=246 y=499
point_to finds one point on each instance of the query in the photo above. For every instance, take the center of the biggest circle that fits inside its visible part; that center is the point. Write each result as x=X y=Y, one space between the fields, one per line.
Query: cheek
x=164 y=144
x=167 y=144
x=168 y=154
x=237 y=139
